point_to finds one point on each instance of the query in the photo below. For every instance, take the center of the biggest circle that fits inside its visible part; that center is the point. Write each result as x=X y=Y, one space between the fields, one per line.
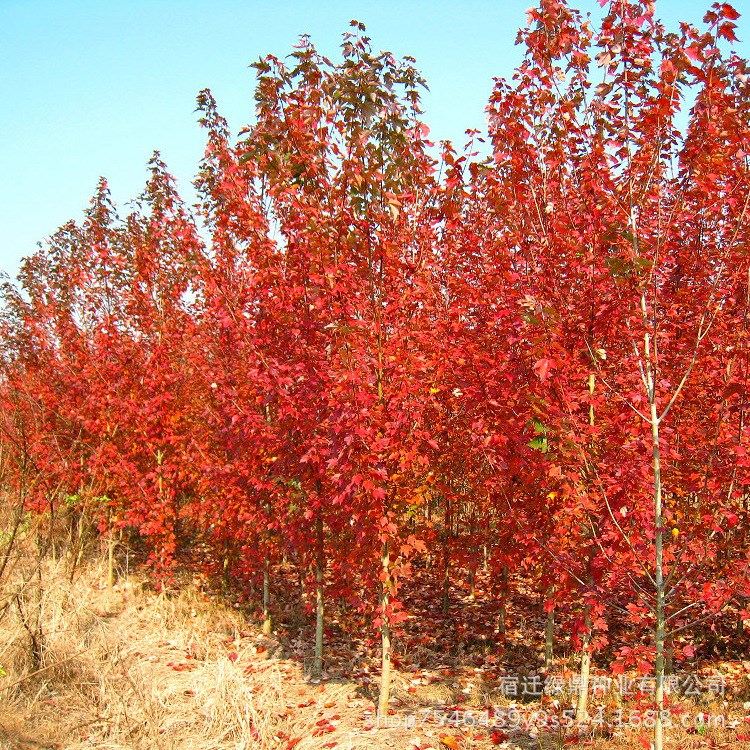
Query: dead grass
x=128 y=668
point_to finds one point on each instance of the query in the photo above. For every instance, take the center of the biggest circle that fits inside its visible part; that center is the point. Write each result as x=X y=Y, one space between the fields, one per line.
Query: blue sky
x=93 y=87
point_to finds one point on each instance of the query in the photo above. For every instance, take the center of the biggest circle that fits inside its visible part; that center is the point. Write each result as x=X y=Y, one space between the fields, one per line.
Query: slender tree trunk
x=111 y=544
x=301 y=576
x=428 y=518
x=661 y=633
x=267 y=620
x=385 y=633
x=446 y=580
x=501 y=622
x=585 y=670
x=225 y=575
x=267 y=624
x=649 y=378
x=319 y=597
x=473 y=565
x=583 y=695
x=669 y=657
x=447 y=557
x=549 y=636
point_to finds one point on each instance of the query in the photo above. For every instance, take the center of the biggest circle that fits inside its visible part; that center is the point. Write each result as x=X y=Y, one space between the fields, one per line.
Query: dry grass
x=130 y=668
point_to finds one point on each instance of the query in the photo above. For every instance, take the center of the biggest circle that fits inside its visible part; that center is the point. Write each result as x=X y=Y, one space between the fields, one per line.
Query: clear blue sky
x=92 y=87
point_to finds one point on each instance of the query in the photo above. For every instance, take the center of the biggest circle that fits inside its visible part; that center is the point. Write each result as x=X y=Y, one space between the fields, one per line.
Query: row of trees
x=351 y=342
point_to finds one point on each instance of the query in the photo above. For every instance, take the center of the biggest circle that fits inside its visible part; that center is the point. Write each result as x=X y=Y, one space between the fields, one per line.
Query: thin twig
x=43 y=669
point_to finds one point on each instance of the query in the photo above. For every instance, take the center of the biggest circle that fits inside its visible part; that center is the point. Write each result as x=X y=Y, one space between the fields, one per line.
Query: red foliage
x=378 y=358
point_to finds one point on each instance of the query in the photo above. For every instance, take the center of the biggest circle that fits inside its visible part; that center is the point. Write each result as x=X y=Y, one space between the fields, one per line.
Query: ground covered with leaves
x=128 y=667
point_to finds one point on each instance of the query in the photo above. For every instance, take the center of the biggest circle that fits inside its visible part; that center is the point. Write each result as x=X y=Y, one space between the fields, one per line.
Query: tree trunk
x=225 y=576
x=659 y=584
x=583 y=695
x=301 y=580
x=658 y=575
x=385 y=633
x=549 y=639
x=669 y=657
x=267 y=624
x=501 y=620
x=473 y=565
x=446 y=581
x=319 y=600
x=111 y=543
x=446 y=557
x=585 y=670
